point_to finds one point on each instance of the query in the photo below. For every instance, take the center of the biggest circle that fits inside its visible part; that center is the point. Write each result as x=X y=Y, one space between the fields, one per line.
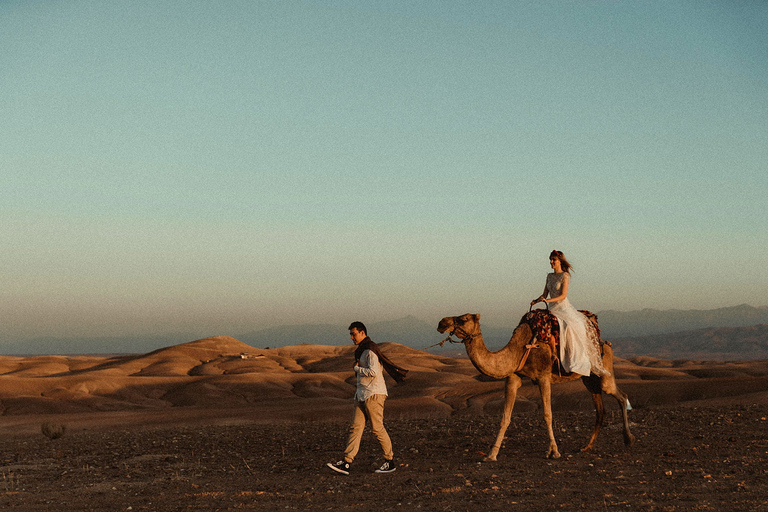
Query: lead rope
x=441 y=343
x=463 y=339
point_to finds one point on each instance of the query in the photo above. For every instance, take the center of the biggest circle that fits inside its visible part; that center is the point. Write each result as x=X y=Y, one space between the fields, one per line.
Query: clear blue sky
x=220 y=167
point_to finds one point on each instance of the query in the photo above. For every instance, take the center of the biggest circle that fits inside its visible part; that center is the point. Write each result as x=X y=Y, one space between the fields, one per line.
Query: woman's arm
x=540 y=297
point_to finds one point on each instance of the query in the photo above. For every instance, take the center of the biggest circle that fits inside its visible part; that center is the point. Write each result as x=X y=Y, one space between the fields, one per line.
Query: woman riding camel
x=579 y=342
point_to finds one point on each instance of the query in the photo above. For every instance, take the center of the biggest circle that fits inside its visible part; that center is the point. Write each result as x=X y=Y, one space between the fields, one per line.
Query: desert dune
x=222 y=380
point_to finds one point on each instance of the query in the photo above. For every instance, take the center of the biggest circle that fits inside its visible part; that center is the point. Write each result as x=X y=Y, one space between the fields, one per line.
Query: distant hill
x=96 y=345
x=408 y=331
x=648 y=322
x=302 y=334
x=712 y=344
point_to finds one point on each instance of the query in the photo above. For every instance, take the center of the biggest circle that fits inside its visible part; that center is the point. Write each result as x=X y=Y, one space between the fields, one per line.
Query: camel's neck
x=501 y=363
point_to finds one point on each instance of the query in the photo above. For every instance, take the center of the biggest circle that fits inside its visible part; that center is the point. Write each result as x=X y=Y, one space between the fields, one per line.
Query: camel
x=506 y=364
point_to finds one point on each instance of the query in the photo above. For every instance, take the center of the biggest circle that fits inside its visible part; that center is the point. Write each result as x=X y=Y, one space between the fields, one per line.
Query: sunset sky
x=220 y=167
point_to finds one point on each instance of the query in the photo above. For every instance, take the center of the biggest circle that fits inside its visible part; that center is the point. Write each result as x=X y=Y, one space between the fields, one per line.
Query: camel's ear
x=477 y=316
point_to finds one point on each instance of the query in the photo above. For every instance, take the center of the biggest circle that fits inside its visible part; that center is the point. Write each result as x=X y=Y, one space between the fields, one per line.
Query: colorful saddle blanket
x=544 y=324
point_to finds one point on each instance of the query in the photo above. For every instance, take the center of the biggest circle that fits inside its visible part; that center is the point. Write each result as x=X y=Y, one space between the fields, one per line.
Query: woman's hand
x=537 y=300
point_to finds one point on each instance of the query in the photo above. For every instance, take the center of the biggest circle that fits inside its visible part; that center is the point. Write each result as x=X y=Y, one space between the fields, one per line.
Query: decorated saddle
x=544 y=324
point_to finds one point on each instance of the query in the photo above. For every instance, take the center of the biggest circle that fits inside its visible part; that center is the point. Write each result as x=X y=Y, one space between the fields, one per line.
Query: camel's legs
x=623 y=400
x=607 y=385
x=545 y=388
x=510 y=394
x=597 y=399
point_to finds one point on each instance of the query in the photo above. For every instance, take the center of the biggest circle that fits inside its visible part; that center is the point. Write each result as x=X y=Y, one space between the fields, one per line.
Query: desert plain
x=216 y=424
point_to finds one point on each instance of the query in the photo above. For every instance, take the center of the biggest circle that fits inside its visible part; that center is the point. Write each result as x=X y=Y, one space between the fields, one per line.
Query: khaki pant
x=371 y=410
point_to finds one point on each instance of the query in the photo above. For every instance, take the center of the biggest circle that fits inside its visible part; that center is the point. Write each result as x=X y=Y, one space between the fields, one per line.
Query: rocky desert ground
x=218 y=425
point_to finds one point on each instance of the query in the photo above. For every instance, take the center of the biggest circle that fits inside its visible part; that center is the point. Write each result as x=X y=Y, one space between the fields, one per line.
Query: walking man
x=370 y=396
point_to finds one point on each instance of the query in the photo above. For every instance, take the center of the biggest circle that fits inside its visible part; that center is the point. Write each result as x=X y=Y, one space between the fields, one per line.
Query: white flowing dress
x=579 y=342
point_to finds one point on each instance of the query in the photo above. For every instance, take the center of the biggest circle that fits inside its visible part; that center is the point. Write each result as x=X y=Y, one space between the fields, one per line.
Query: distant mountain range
x=648 y=322
x=722 y=333
x=96 y=346
x=408 y=331
x=711 y=344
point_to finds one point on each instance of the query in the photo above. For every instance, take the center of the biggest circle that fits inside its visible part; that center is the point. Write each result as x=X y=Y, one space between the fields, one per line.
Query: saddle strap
x=527 y=352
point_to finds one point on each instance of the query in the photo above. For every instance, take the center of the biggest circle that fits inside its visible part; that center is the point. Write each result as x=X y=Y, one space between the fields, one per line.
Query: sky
x=224 y=167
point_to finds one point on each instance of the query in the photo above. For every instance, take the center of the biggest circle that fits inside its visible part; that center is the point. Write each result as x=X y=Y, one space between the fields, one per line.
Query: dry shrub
x=53 y=430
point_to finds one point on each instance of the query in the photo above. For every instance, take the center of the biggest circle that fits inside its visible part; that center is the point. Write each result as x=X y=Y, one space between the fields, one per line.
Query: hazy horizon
x=415 y=332
x=209 y=167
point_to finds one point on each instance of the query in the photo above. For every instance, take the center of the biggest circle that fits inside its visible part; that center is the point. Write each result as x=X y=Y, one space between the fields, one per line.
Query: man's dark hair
x=359 y=326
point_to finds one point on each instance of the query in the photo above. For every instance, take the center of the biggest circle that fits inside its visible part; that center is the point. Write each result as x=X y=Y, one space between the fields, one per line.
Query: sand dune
x=222 y=379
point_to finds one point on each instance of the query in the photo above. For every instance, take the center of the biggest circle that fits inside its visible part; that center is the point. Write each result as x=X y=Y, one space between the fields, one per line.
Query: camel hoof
x=489 y=459
x=629 y=440
x=553 y=455
x=586 y=449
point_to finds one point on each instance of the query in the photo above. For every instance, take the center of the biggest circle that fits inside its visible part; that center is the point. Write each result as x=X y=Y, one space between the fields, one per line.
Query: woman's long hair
x=567 y=267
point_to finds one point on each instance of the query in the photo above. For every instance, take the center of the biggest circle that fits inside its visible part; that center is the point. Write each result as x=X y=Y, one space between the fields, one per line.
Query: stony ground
x=685 y=458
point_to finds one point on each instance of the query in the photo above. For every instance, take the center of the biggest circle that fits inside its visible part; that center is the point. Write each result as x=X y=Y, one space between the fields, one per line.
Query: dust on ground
x=685 y=458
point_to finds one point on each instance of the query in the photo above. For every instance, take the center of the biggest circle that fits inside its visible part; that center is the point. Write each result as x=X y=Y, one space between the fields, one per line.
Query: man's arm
x=369 y=364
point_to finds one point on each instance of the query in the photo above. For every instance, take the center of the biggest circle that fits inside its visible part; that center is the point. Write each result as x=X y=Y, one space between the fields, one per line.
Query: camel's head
x=465 y=327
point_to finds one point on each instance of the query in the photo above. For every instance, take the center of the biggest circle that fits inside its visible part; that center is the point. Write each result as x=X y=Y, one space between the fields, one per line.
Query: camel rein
x=463 y=338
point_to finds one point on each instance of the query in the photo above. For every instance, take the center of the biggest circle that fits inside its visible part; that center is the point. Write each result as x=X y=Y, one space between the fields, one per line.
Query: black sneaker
x=387 y=467
x=340 y=467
